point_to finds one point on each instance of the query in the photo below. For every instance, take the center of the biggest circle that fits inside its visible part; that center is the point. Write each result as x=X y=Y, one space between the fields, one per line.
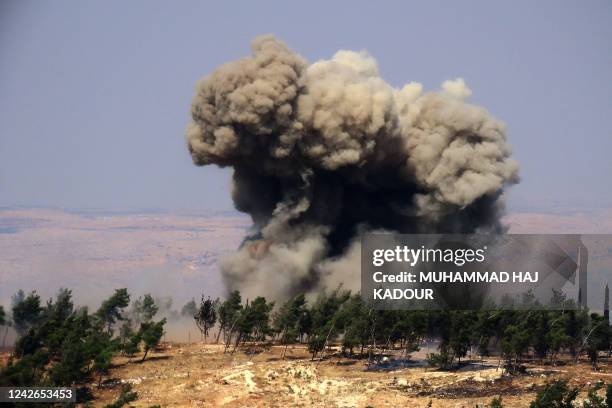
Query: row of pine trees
x=533 y=331
x=60 y=344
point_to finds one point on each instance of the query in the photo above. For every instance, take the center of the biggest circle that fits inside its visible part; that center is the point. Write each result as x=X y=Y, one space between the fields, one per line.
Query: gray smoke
x=323 y=152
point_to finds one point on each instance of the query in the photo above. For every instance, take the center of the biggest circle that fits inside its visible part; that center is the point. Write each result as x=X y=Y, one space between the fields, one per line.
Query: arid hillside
x=93 y=253
x=201 y=375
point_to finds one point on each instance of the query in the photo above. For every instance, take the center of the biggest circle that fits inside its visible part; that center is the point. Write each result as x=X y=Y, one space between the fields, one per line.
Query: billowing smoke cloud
x=323 y=152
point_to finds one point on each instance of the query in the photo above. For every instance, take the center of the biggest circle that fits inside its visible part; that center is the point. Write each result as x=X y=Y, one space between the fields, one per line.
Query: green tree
x=597 y=338
x=151 y=334
x=62 y=346
x=540 y=328
x=26 y=311
x=64 y=343
x=353 y=318
x=132 y=344
x=496 y=403
x=259 y=314
x=514 y=343
x=63 y=306
x=556 y=339
x=228 y=315
x=461 y=330
x=323 y=313
x=144 y=309
x=455 y=330
x=102 y=363
x=556 y=395
x=442 y=360
x=206 y=316
x=485 y=329
x=576 y=328
x=412 y=326
x=112 y=309
x=27 y=371
x=253 y=321
x=286 y=321
x=125 y=397
x=101 y=349
x=305 y=324
x=72 y=365
x=51 y=326
x=74 y=352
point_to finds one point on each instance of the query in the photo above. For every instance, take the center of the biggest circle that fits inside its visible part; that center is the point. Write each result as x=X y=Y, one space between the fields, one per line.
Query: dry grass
x=201 y=375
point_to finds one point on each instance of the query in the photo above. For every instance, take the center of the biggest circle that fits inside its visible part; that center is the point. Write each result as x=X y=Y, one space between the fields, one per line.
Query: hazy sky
x=94 y=96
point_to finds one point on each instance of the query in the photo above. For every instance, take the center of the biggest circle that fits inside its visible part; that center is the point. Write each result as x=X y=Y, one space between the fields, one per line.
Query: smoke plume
x=326 y=151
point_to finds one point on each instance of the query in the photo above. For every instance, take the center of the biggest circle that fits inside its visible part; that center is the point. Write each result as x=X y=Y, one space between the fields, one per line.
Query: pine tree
x=305 y=324
x=514 y=343
x=540 y=339
x=598 y=337
x=228 y=315
x=143 y=309
x=75 y=351
x=412 y=328
x=132 y=344
x=26 y=311
x=253 y=321
x=206 y=316
x=286 y=322
x=557 y=395
x=496 y=403
x=112 y=308
x=461 y=330
x=151 y=334
x=125 y=397
x=323 y=314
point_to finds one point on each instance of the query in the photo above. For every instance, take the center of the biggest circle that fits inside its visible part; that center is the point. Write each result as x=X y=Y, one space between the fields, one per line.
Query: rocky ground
x=201 y=375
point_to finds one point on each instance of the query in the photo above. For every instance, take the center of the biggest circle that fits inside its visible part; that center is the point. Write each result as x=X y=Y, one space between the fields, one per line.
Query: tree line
x=531 y=331
x=60 y=344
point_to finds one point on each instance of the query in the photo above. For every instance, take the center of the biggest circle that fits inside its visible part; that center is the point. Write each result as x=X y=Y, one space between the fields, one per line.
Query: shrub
x=442 y=360
x=496 y=403
x=555 y=395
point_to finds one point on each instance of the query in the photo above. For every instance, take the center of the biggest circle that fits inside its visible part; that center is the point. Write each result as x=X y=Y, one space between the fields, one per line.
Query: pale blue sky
x=94 y=96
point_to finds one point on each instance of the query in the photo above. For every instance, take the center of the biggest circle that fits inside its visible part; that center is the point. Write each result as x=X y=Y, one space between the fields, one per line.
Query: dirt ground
x=201 y=375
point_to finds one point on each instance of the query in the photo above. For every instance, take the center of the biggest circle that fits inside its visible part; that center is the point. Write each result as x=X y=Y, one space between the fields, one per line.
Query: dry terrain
x=201 y=375
x=93 y=253
x=166 y=253
x=174 y=254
